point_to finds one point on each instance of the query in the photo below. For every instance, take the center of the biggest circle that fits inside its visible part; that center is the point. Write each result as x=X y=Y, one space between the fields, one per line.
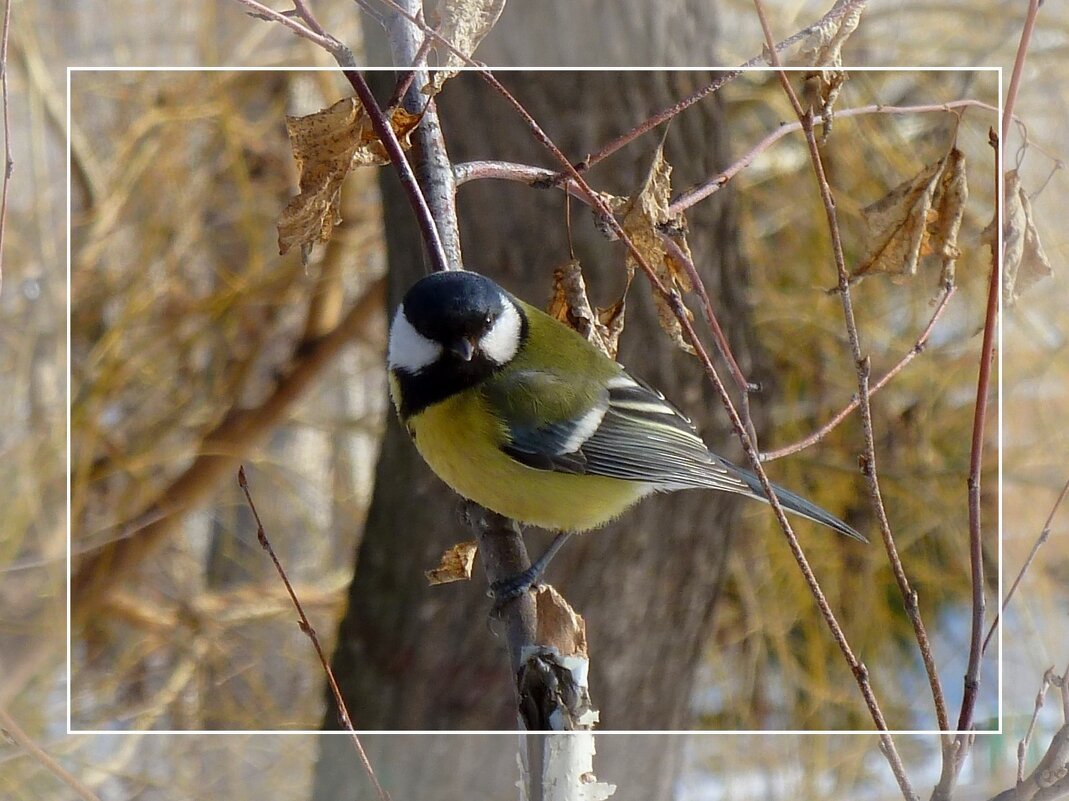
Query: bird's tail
x=798 y=505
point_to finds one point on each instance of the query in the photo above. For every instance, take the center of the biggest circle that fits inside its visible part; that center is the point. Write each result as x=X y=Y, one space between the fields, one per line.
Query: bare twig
x=863 y=367
x=676 y=304
x=409 y=42
x=9 y=161
x=722 y=344
x=1041 y=540
x=716 y=183
x=428 y=229
x=918 y=347
x=12 y=729
x=976 y=552
x=838 y=11
x=306 y=627
x=95 y=575
x=1049 y=780
x=540 y=176
x=1018 y=66
x=983 y=384
x=309 y=29
x=1022 y=748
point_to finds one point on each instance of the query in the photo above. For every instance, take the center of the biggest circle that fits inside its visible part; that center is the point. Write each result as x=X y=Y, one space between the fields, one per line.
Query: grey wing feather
x=645 y=438
x=632 y=434
x=543 y=448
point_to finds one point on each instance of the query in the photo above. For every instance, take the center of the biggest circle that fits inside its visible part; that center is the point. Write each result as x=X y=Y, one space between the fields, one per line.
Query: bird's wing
x=625 y=429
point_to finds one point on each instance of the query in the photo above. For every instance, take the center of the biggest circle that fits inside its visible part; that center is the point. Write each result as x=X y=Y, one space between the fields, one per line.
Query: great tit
x=520 y=414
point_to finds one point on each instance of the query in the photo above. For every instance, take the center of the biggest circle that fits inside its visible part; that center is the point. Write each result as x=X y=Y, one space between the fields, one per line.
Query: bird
x=520 y=414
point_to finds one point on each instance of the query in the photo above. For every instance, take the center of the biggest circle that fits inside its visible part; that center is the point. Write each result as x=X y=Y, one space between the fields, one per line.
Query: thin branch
x=676 y=304
x=722 y=344
x=1041 y=540
x=716 y=183
x=863 y=367
x=12 y=729
x=983 y=384
x=1022 y=748
x=9 y=160
x=428 y=229
x=310 y=29
x=837 y=11
x=1018 y=66
x=95 y=575
x=540 y=176
x=976 y=552
x=306 y=627
x=918 y=346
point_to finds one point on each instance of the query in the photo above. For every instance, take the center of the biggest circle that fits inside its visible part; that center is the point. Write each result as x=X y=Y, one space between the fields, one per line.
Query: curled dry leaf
x=553 y=680
x=462 y=23
x=823 y=48
x=949 y=208
x=645 y=219
x=570 y=305
x=326 y=146
x=919 y=217
x=455 y=564
x=559 y=626
x=1024 y=261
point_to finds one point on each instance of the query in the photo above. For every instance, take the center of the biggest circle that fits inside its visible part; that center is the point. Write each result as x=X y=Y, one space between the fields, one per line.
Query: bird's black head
x=452 y=330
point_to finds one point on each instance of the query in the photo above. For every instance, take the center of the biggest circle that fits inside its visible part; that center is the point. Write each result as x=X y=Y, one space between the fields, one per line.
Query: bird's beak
x=463 y=348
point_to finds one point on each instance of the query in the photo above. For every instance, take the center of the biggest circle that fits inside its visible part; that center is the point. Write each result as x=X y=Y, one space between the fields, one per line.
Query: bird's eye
x=488 y=318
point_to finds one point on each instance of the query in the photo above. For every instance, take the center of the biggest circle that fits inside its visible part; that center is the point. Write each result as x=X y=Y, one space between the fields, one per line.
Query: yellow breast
x=457 y=439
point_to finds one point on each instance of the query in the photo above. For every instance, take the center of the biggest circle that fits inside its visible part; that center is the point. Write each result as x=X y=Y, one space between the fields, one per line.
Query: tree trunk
x=411 y=656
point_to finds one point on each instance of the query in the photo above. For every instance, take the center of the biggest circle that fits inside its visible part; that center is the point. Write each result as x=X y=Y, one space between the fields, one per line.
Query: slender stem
x=422 y=212
x=478 y=170
x=863 y=367
x=1018 y=66
x=306 y=627
x=12 y=729
x=651 y=122
x=976 y=554
x=717 y=182
x=1041 y=540
x=676 y=304
x=722 y=344
x=983 y=385
x=310 y=29
x=912 y=353
x=9 y=160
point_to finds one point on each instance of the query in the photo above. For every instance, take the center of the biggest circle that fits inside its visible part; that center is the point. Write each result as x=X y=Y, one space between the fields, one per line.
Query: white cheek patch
x=501 y=342
x=409 y=350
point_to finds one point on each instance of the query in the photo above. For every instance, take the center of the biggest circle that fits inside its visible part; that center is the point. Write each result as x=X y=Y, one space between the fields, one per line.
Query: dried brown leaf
x=326 y=146
x=455 y=565
x=645 y=219
x=949 y=205
x=919 y=217
x=559 y=626
x=823 y=48
x=1024 y=261
x=462 y=23
x=570 y=305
